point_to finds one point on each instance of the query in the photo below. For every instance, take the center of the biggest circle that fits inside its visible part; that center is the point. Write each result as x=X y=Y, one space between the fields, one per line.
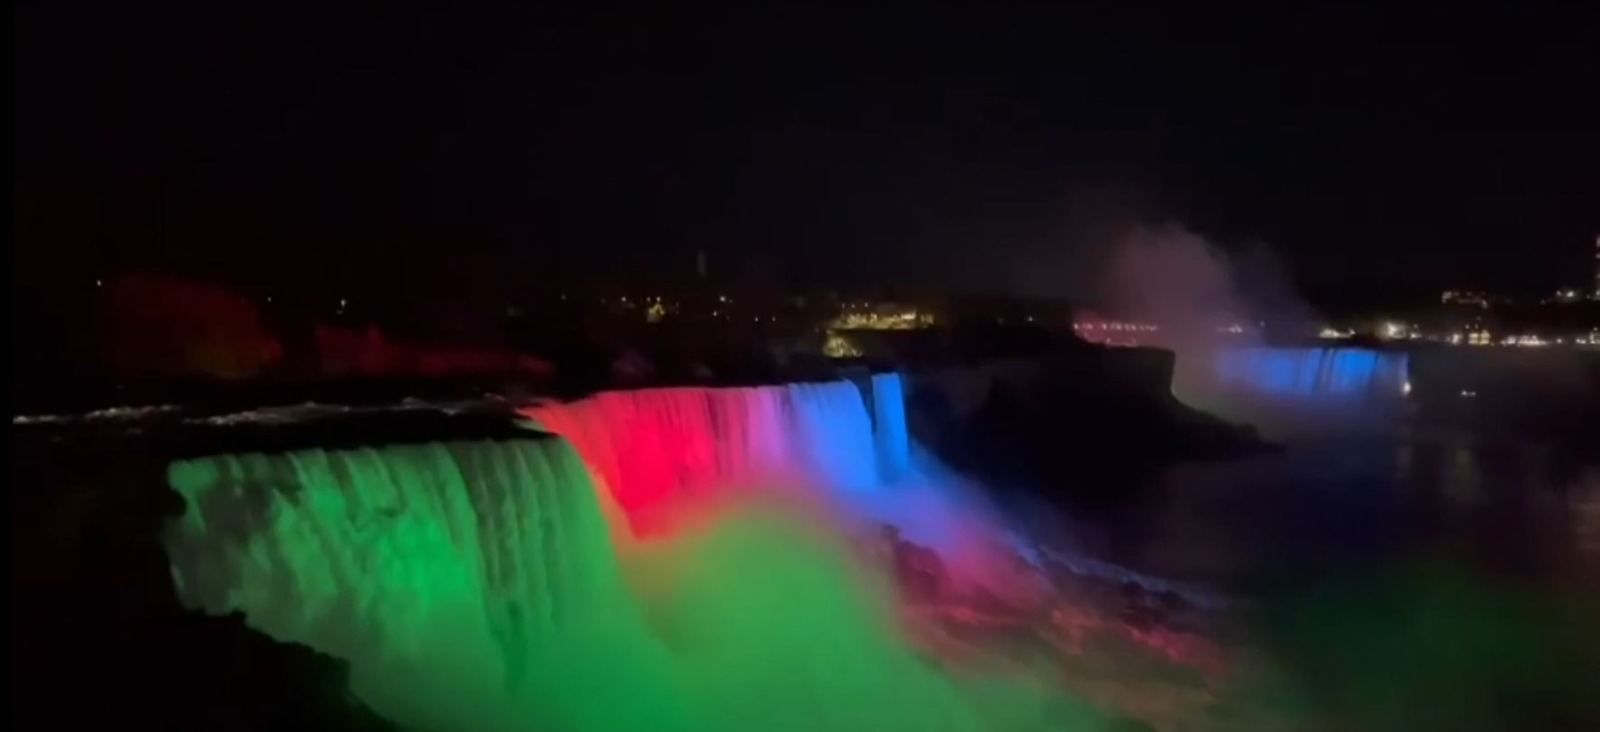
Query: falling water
x=444 y=567
x=1295 y=392
x=659 y=451
x=475 y=585
x=1312 y=373
x=889 y=426
x=472 y=585
x=666 y=453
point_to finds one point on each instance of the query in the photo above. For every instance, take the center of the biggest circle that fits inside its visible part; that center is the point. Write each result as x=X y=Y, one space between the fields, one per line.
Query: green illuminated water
x=474 y=586
x=773 y=625
x=453 y=577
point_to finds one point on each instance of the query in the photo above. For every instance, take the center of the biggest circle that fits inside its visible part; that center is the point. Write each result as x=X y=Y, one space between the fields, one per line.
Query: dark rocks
x=97 y=636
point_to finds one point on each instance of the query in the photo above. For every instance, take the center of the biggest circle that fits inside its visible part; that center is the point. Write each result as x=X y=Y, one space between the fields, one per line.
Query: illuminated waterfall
x=475 y=585
x=1311 y=373
x=889 y=426
x=443 y=567
x=1296 y=392
x=658 y=450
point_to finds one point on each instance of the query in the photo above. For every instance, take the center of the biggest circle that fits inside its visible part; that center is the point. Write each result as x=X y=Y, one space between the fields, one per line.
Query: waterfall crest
x=1312 y=373
x=657 y=450
x=1297 y=392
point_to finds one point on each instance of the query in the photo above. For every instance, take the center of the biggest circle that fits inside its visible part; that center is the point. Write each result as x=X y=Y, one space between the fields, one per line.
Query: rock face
x=181 y=672
x=1081 y=426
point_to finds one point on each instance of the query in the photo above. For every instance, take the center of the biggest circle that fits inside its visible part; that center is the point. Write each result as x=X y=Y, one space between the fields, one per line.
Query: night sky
x=1379 y=154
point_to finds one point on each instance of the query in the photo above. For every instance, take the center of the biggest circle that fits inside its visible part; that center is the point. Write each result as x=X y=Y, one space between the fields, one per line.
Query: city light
x=1464 y=297
x=1112 y=332
x=838 y=346
x=883 y=318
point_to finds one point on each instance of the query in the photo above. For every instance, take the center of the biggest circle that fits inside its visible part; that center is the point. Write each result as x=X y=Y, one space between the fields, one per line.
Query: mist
x=1195 y=290
x=1211 y=305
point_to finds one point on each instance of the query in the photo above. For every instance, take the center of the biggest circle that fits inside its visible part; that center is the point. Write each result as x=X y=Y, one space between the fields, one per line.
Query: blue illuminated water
x=1311 y=373
x=889 y=425
x=831 y=422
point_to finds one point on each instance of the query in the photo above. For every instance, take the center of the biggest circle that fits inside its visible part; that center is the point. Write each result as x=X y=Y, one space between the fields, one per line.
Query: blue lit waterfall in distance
x=1344 y=374
x=1295 y=390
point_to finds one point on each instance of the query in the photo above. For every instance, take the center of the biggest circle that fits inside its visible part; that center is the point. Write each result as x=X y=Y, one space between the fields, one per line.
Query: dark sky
x=281 y=147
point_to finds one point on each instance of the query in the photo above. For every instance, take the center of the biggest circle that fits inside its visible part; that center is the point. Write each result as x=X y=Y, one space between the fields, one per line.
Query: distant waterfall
x=657 y=450
x=1296 y=392
x=1311 y=373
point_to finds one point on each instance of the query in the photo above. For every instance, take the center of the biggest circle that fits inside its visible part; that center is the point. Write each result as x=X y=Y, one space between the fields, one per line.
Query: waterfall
x=475 y=585
x=1312 y=373
x=1297 y=392
x=430 y=566
x=659 y=450
x=889 y=426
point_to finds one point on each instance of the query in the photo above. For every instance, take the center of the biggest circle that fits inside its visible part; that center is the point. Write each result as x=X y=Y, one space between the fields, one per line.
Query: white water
x=438 y=566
